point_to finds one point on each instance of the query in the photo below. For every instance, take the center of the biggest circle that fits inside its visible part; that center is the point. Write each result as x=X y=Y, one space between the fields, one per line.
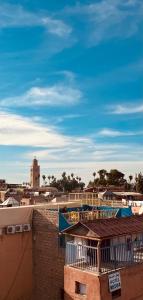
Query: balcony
x=102 y=260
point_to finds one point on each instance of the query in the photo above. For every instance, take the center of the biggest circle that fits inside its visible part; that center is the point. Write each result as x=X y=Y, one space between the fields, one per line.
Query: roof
x=10 y=201
x=128 y=194
x=106 y=193
x=105 y=228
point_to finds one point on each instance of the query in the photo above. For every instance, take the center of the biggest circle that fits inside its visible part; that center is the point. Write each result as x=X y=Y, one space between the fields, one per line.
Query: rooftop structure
x=99 y=250
x=10 y=202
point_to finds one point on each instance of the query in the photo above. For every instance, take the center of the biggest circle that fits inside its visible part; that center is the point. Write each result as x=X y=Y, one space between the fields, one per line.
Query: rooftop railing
x=92 y=199
x=103 y=259
x=76 y=216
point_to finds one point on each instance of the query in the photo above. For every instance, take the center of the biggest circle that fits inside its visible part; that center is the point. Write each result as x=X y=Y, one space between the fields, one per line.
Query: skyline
x=71 y=87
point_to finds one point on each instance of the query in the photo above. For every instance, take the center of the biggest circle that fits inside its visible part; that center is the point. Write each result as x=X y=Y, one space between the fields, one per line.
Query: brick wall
x=48 y=257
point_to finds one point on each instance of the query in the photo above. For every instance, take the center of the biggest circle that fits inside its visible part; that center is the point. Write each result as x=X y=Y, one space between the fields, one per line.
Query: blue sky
x=71 y=91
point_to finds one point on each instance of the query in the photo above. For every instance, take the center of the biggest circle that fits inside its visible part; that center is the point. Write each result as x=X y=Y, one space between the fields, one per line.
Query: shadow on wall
x=48 y=256
x=67 y=297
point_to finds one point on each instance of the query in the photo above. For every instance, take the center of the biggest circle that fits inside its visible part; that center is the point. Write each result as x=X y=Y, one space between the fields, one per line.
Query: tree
x=115 y=177
x=94 y=174
x=49 y=177
x=44 y=178
x=130 y=178
x=64 y=174
x=102 y=173
x=67 y=183
x=139 y=183
x=102 y=180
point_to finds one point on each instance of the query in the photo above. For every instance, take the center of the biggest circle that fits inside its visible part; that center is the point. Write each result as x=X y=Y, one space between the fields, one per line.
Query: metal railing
x=104 y=259
x=81 y=256
x=92 y=199
x=76 y=216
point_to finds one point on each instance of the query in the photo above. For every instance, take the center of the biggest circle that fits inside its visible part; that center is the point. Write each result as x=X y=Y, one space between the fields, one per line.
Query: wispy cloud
x=55 y=95
x=109 y=19
x=126 y=109
x=17 y=16
x=16 y=130
x=62 y=118
x=58 y=152
x=108 y=132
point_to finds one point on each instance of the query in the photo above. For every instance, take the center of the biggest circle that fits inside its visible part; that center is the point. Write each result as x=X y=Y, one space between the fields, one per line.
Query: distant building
x=3 y=184
x=35 y=174
x=10 y=202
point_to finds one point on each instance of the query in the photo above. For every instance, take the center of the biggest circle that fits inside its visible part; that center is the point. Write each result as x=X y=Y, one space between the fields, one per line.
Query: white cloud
x=62 y=118
x=17 y=16
x=127 y=109
x=55 y=95
x=109 y=19
x=16 y=130
x=86 y=150
x=58 y=152
x=108 y=132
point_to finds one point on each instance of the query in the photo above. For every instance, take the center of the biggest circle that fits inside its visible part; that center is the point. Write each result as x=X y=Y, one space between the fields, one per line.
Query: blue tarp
x=124 y=212
x=63 y=224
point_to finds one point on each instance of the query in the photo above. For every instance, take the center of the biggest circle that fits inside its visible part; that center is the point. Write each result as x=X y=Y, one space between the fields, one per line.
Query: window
x=80 y=288
x=116 y=294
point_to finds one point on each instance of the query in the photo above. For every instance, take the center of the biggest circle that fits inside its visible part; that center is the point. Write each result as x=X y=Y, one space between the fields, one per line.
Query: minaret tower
x=35 y=174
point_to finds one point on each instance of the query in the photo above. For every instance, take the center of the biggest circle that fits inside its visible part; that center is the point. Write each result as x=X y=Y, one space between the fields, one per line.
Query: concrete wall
x=48 y=257
x=16 y=266
x=92 y=282
x=131 y=284
x=97 y=287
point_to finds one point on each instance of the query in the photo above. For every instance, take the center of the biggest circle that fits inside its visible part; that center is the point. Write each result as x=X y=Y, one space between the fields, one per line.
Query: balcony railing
x=76 y=216
x=104 y=259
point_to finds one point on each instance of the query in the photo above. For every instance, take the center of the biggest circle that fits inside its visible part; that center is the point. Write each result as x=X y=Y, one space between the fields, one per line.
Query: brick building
x=48 y=256
x=32 y=262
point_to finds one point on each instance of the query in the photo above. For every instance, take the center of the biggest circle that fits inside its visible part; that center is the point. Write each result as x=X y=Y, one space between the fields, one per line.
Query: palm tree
x=49 y=177
x=94 y=174
x=44 y=178
x=130 y=178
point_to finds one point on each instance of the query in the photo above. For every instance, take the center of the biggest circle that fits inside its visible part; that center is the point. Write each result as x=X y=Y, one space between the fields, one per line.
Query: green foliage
x=67 y=183
x=114 y=177
x=139 y=183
